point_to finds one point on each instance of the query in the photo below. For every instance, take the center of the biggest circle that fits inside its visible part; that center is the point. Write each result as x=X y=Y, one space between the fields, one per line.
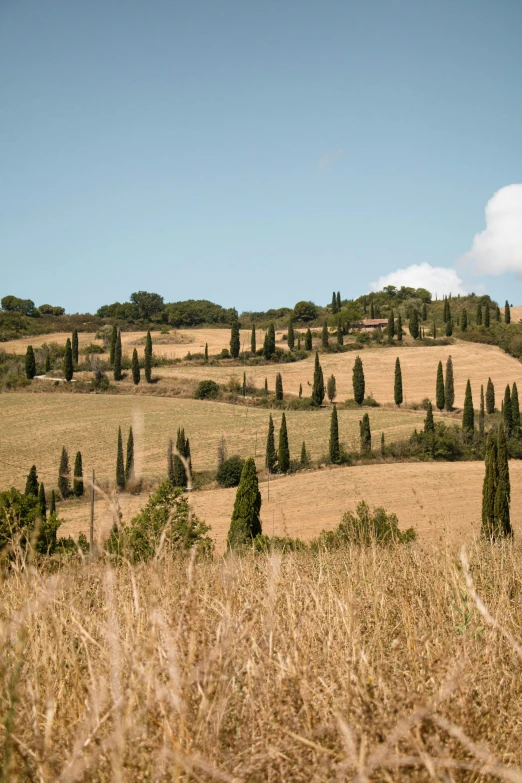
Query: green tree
x=42 y=502
x=482 y=412
x=414 y=324
x=300 y=391
x=78 y=475
x=305 y=460
x=279 y=387
x=270 y=455
x=113 y=341
x=338 y=300
x=52 y=504
x=372 y=310
x=266 y=385
x=447 y=312
x=390 y=330
x=424 y=312
x=318 y=387
x=235 y=340
x=149 y=305
x=340 y=338
x=148 y=357
x=434 y=330
x=246 y=524
x=507 y=313
x=31 y=485
x=449 y=388
x=331 y=388
x=503 y=488
x=244 y=390
x=335 y=453
x=358 y=381
x=68 y=361
x=507 y=413
x=283 y=454
x=206 y=353
x=181 y=472
x=464 y=320
x=429 y=424
x=366 y=435
x=490 y=397
x=269 y=346
x=439 y=391
x=487 y=316
x=47 y=362
x=129 y=462
x=253 y=343
x=449 y=328
x=74 y=346
x=64 y=483
x=30 y=363
x=170 y=462
x=497 y=314
x=135 y=365
x=489 y=488
x=515 y=410
x=479 y=314
x=299 y=341
x=468 y=414
x=117 y=358
x=383 y=445
x=291 y=336
x=334 y=303
x=324 y=338
x=397 y=389
x=120 y=469
x=400 y=331
x=308 y=340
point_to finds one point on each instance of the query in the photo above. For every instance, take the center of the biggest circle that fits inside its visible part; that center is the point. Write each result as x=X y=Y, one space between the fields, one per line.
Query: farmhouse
x=373 y=323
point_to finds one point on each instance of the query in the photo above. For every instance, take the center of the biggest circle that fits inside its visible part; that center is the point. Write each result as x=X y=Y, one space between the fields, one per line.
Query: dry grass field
x=35 y=427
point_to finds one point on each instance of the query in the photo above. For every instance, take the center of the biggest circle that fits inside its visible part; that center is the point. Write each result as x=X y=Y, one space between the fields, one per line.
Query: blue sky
x=258 y=153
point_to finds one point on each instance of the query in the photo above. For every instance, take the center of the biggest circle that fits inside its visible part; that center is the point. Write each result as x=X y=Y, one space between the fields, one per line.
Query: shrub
x=363 y=528
x=206 y=390
x=93 y=348
x=229 y=472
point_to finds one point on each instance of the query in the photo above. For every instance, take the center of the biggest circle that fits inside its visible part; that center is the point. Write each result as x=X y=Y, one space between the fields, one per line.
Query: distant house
x=373 y=323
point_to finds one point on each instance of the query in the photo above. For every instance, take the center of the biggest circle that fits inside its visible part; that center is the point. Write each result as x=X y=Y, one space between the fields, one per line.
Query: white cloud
x=498 y=248
x=439 y=280
x=328 y=159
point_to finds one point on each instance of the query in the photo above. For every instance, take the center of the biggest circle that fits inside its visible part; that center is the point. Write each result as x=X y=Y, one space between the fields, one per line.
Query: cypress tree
x=464 y=320
x=78 y=475
x=479 y=314
x=439 y=390
x=335 y=453
x=414 y=325
x=120 y=469
x=447 y=313
x=468 y=414
x=429 y=424
x=400 y=331
x=291 y=336
x=183 y=448
x=358 y=381
x=489 y=489
x=503 y=488
x=424 y=312
x=334 y=303
x=507 y=413
x=397 y=389
x=372 y=309
x=253 y=343
x=31 y=485
x=449 y=388
x=30 y=363
x=434 y=330
x=487 y=316
x=269 y=344
x=74 y=346
x=148 y=357
x=318 y=387
x=206 y=353
x=482 y=412
x=490 y=397
x=68 y=361
x=300 y=390
x=278 y=387
x=47 y=362
x=129 y=462
x=497 y=314
x=266 y=385
x=366 y=435
x=331 y=388
x=64 y=484
x=270 y=455
x=507 y=313
x=114 y=340
x=235 y=340
x=338 y=300
x=391 y=326
x=325 y=335
x=245 y=524
x=449 y=328
x=299 y=341
x=42 y=502
x=283 y=454
x=52 y=504
x=308 y=340
x=340 y=339
x=135 y=365
x=304 y=456
x=383 y=447
x=170 y=461
x=244 y=390
x=117 y=358
x=515 y=410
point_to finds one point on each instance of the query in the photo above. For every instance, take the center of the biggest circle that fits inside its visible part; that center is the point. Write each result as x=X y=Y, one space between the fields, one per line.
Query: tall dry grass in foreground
x=362 y=665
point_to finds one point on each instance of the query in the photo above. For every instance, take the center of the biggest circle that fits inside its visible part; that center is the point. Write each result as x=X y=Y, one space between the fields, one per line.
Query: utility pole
x=91 y=531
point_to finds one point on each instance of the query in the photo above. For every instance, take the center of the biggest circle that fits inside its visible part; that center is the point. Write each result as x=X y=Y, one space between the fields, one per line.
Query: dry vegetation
x=365 y=665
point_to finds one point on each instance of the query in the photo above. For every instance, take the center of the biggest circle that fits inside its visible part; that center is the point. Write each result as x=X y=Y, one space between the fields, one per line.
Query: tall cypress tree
x=244 y=390
x=490 y=397
x=503 y=488
x=253 y=342
x=414 y=324
x=129 y=462
x=148 y=357
x=30 y=363
x=269 y=346
x=429 y=424
x=270 y=454
x=42 y=502
x=304 y=460
x=266 y=385
x=278 y=387
x=335 y=453
x=52 y=504
x=331 y=388
x=318 y=387
x=308 y=340
x=497 y=314
x=449 y=388
x=482 y=412
x=112 y=344
x=325 y=335
x=64 y=484
x=479 y=314
x=366 y=435
x=300 y=391
x=391 y=326
x=397 y=389
x=299 y=341
x=372 y=310
x=31 y=485
x=358 y=381
x=340 y=339
x=283 y=454
x=170 y=461
x=464 y=320
x=135 y=365
x=400 y=331
x=447 y=313
x=78 y=475
x=338 y=300
x=383 y=446
x=334 y=303
x=489 y=489
x=434 y=330
x=68 y=361
x=117 y=358
x=507 y=313
x=206 y=353
x=468 y=414
x=487 y=316
x=449 y=328
x=439 y=390
x=74 y=346
x=507 y=413
x=120 y=469
x=515 y=410
x=235 y=340
x=245 y=524
x=183 y=448
x=291 y=335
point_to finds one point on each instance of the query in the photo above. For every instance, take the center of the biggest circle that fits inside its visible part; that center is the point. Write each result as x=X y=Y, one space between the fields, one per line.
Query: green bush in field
x=206 y=390
x=229 y=472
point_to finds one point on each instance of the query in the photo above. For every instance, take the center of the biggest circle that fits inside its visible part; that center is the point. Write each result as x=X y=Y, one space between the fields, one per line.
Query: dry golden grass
x=35 y=427
x=365 y=665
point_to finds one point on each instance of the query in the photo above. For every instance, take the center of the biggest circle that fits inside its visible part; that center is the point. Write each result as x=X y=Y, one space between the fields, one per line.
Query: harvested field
x=35 y=427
